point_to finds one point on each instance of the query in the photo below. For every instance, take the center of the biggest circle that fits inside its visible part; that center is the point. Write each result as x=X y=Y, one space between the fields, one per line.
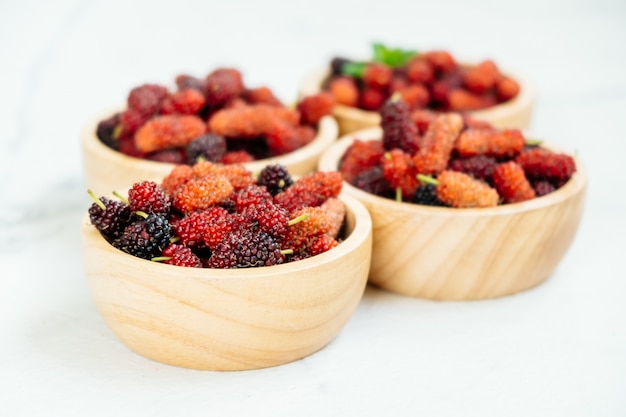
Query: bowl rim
x=362 y=230
x=574 y=185
x=313 y=81
x=327 y=133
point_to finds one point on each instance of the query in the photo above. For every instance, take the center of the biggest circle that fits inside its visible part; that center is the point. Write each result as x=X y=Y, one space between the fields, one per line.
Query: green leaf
x=392 y=57
x=353 y=69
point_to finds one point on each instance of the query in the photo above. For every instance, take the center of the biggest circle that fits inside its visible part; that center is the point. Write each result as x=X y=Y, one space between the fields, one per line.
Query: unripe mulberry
x=171 y=131
x=459 y=190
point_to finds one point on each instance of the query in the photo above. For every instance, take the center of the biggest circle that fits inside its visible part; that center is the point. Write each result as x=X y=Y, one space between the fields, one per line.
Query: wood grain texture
x=514 y=114
x=234 y=319
x=106 y=170
x=466 y=254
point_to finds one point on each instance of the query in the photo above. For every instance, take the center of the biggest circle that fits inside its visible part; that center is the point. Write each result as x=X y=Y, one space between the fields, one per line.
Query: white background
x=557 y=350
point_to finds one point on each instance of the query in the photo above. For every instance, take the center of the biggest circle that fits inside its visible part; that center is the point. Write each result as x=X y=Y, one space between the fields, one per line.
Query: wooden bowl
x=230 y=319
x=514 y=114
x=466 y=254
x=107 y=170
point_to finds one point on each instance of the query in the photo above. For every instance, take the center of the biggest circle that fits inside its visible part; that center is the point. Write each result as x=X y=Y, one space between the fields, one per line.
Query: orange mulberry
x=315 y=222
x=169 y=131
x=178 y=176
x=345 y=90
x=460 y=190
x=437 y=144
x=202 y=193
x=252 y=121
x=504 y=143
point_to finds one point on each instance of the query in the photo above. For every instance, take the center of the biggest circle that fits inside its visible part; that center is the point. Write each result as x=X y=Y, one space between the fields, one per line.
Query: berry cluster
x=215 y=118
x=221 y=216
x=446 y=159
x=428 y=80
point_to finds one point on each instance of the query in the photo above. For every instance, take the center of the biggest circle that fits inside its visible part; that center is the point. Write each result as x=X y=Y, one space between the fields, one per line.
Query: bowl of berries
x=460 y=211
x=216 y=118
x=432 y=80
x=215 y=269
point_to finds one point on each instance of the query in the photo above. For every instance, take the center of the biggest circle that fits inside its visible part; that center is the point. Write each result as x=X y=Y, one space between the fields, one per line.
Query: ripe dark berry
x=110 y=217
x=399 y=130
x=373 y=181
x=209 y=147
x=478 y=166
x=145 y=238
x=426 y=195
x=253 y=249
x=543 y=187
x=275 y=178
x=108 y=131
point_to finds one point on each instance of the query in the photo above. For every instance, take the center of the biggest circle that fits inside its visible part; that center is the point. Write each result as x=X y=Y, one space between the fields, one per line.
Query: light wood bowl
x=513 y=114
x=466 y=254
x=106 y=170
x=237 y=319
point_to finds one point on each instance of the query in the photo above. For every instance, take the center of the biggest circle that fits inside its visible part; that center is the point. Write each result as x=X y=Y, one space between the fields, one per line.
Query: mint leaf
x=395 y=57
x=353 y=69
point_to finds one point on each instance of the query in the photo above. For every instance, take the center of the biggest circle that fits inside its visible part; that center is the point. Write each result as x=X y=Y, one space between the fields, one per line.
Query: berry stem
x=286 y=251
x=141 y=214
x=427 y=179
x=399 y=194
x=298 y=219
x=97 y=200
x=534 y=142
x=161 y=258
x=121 y=197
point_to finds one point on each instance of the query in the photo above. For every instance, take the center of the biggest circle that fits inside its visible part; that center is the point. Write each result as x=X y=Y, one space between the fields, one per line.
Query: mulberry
x=162 y=132
x=275 y=178
x=460 y=190
x=209 y=147
x=149 y=197
x=437 y=144
x=399 y=130
x=511 y=183
x=145 y=238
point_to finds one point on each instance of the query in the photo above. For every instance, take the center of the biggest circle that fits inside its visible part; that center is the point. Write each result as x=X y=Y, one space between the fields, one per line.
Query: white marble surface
x=557 y=350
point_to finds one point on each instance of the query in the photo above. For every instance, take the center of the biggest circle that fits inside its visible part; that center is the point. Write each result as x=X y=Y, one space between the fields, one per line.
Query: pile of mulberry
x=457 y=162
x=218 y=216
x=431 y=80
x=217 y=118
